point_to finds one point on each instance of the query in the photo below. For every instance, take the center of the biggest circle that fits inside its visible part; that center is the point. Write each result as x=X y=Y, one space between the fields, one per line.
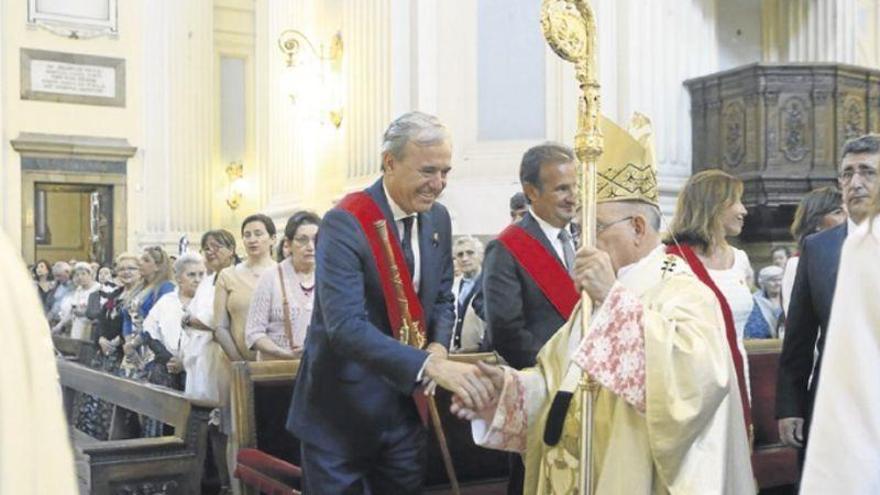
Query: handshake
x=475 y=387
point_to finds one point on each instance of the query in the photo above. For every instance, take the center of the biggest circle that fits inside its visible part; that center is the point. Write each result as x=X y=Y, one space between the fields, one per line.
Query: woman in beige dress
x=236 y=284
x=281 y=307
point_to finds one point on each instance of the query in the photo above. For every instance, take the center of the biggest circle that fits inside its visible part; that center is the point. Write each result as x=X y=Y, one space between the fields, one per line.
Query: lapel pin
x=435 y=239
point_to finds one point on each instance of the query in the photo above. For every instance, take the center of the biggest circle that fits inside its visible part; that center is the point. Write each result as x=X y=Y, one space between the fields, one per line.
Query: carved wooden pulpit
x=780 y=128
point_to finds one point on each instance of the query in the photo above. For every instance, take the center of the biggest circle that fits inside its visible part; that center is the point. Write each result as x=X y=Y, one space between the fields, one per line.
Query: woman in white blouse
x=709 y=211
x=281 y=308
x=165 y=330
x=73 y=309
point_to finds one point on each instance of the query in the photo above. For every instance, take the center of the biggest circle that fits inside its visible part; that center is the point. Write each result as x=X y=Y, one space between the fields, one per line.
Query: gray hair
x=650 y=212
x=185 y=260
x=82 y=266
x=60 y=266
x=467 y=239
x=767 y=273
x=868 y=143
x=417 y=127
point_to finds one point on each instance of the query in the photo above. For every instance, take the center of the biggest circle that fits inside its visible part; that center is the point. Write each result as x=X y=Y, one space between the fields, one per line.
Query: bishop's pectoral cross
x=668 y=266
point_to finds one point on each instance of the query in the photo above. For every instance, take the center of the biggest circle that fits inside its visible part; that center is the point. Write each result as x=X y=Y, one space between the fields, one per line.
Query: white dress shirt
x=399 y=215
x=552 y=234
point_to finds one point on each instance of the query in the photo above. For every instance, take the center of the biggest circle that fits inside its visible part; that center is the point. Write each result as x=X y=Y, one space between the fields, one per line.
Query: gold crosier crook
x=569 y=27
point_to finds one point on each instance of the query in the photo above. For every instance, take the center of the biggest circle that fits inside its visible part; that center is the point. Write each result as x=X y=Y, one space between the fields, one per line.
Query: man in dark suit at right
x=527 y=287
x=811 y=299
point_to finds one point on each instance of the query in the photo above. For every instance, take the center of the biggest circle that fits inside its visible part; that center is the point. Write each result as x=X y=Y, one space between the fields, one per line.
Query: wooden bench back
x=774 y=464
x=248 y=378
x=165 y=405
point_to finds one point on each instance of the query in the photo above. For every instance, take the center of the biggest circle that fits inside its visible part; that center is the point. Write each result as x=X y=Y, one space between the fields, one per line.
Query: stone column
x=844 y=31
x=175 y=196
x=647 y=50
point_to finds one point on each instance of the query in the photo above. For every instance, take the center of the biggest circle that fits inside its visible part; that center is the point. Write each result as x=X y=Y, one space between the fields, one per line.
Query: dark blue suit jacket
x=808 y=312
x=521 y=319
x=355 y=379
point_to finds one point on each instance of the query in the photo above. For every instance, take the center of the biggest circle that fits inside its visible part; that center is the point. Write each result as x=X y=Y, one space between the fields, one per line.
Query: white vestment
x=843 y=453
x=667 y=418
x=35 y=453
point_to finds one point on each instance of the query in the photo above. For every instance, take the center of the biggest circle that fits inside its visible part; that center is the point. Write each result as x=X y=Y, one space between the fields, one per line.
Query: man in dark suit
x=522 y=313
x=811 y=298
x=353 y=406
x=470 y=327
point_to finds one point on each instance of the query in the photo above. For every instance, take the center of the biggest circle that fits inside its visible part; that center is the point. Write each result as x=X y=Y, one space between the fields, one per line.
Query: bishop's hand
x=496 y=376
x=594 y=273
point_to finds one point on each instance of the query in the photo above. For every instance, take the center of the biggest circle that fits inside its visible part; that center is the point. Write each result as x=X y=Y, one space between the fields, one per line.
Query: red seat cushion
x=267 y=473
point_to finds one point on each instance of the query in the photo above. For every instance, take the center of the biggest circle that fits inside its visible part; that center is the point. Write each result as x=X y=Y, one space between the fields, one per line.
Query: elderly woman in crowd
x=208 y=371
x=165 y=327
x=44 y=282
x=211 y=375
x=766 y=317
x=155 y=270
x=281 y=307
x=236 y=285
x=107 y=307
x=819 y=210
x=73 y=309
x=709 y=211
x=63 y=288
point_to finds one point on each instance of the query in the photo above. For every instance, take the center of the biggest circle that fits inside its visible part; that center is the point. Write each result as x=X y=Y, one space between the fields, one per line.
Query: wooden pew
x=263 y=390
x=774 y=464
x=171 y=465
x=81 y=351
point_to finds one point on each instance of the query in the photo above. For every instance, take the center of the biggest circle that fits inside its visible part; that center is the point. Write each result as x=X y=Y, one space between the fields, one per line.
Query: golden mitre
x=627 y=169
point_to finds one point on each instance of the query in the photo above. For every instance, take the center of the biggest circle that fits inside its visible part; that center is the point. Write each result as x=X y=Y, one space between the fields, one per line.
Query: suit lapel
x=834 y=251
x=377 y=192
x=530 y=224
x=427 y=255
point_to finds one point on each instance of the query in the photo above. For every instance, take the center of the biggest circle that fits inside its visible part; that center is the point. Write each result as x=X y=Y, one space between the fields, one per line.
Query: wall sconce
x=313 y=79
x=234 y=172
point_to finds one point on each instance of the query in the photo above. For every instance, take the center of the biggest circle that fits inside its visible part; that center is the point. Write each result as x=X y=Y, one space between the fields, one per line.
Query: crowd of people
x=180 y=321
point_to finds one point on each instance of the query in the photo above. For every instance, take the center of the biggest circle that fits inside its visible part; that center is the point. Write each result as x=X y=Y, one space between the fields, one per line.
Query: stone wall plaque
x=72 y=78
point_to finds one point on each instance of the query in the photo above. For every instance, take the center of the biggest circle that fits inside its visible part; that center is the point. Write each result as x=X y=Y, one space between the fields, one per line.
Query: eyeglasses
x=869 y=174
x=601 y=227
x=303 y=240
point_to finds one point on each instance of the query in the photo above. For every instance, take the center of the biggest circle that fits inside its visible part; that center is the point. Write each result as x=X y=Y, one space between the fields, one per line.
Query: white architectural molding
x=178 y=117
x=369 y=74
x=810 y=31
x=84 y=147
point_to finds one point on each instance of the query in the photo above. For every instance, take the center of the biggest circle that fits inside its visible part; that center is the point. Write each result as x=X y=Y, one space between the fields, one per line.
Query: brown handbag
x=288 y=326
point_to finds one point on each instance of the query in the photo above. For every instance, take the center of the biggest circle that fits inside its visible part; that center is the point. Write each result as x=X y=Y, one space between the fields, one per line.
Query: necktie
x=567 y=249
x=406 y=245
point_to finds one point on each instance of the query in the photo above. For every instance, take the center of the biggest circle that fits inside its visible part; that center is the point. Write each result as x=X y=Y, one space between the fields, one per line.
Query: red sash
x=684 y=251
x=546 y=271
x=363 y=208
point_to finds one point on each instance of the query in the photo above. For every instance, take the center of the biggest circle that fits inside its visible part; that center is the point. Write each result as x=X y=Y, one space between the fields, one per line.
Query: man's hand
x=438 y=352
x=791 y=431
x=594 y=273
x=495 y=375
x=464 y=380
